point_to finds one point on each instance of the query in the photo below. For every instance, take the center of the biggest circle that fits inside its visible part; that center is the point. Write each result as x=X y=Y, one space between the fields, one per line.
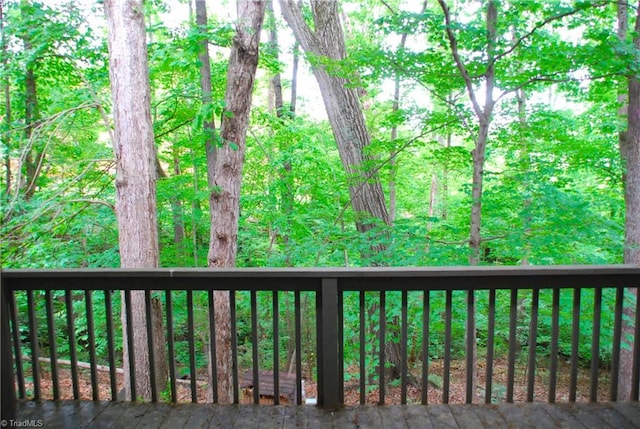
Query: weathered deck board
x=105 y=414
x=417 y=417
x=441 y=417
x=490 y=417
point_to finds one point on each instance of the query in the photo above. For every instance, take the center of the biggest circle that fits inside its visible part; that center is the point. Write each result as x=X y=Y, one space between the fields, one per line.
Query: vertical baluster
x=192 y=348
x=71 y=331
x=7 y=386
x=150 y=345
x=328 y=344
x=615 y=348
x=635 y=370
x=130 y=345
x=446 y=376
x=88 y=301
x=575 y=342
x=533 y=341
x=426 y=313
x=298 y=340
x=404 y=352
x=171 y=346
x=320 y=339
x=555 y=334
x=17 y=344
x=254 y=347
x=52 y=345
x=595 y=344
x=35 y=346
x=110 y=345
x=471 y=345
x=363 y=372
x=234 y=347
x=382 y=339
x=341 y=347
x=511 y=359
x=491 y=327
x=276 y=347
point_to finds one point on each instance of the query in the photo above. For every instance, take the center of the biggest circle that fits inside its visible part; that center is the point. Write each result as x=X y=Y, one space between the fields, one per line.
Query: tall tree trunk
x=285 y=175
x=276 y=82
x=630 y=154
x=227 y=173
x=205 y=88
x=34 y=157
x=135 y=179
x=6 y=87
x=343 y=109
x=294 y=78
x=393 y=163
x=177 y=213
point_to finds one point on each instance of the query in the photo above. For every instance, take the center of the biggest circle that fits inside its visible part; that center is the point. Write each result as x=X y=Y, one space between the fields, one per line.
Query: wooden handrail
x=329 y=286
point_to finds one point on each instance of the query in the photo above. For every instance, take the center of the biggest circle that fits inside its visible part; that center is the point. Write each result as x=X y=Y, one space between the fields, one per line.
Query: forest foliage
x=553 y=189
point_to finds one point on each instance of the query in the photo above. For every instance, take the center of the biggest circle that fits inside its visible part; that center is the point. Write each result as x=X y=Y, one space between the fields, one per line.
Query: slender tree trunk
x=177 y=213
x=445 y=181
x=227 y=174
x=205 y=87
x=630 y=154
x=34 y=157
x=196 y=210
x=483 y=114
x=6 y=87
x=393 y=163
x=285 y=175
x=478 y=154
x=294 y=78
x=135 y=179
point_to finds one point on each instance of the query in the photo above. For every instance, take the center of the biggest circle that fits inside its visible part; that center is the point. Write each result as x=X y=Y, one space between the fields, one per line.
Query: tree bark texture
x=34 y=157
x=224 y=198
x=135 y=173
x=630 y=153
x=342 y=106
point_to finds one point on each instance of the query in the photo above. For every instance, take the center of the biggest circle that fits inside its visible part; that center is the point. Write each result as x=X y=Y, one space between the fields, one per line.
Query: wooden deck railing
x=425 y=312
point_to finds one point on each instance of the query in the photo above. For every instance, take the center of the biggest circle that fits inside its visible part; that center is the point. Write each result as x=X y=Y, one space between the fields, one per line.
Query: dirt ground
x=352 y=393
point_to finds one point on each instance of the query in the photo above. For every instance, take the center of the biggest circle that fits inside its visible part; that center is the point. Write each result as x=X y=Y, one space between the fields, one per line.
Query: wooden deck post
x=8 y=401
x=329 y=384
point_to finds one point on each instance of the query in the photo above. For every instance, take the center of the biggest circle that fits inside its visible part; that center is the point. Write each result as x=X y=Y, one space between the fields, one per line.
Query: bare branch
x=93 y=201
x=453 y=43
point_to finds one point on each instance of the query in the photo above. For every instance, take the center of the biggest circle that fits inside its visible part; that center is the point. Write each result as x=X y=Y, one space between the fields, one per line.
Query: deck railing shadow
x=334 y=326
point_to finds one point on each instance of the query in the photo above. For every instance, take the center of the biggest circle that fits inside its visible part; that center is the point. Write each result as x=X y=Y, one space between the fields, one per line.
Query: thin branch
x=172 y=129
x=465 y=242
x=93 y=201
x=453 y=43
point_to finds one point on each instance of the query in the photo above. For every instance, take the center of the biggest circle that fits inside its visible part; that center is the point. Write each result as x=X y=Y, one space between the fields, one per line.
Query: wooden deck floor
x=116 y=415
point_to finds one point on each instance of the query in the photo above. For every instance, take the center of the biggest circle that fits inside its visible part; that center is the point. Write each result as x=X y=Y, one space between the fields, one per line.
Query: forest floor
x=352 y=392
